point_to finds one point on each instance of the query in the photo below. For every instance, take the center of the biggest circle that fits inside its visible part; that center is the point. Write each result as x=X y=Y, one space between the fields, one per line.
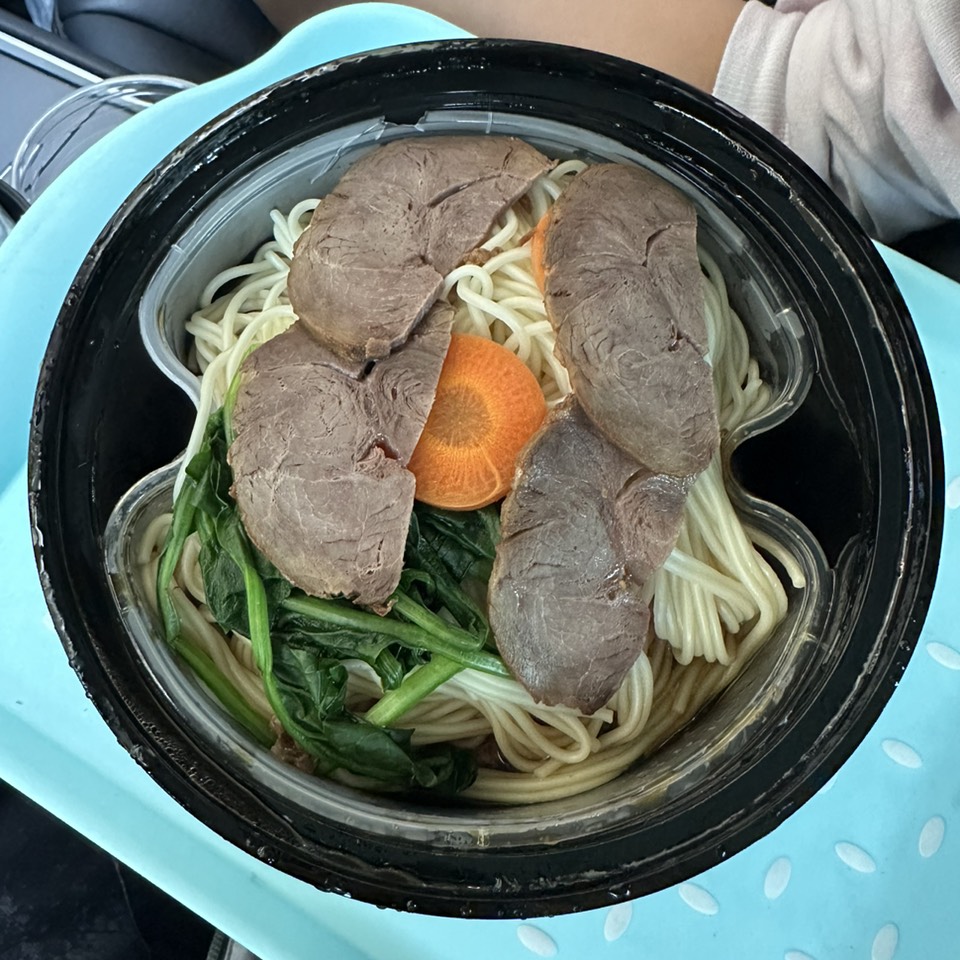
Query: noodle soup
x=715 y=601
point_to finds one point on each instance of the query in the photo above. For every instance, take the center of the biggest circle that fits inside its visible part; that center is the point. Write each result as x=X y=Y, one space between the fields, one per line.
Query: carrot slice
x=538 y=242
x=488 y=405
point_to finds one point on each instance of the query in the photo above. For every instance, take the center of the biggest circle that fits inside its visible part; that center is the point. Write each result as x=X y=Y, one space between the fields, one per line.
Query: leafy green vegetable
x=466 y=541
x=311 y=688
x=439 y=637
x=416 y=685
x=342 y=643
x=444 y=550
x=299 y=643
x=306 y=691
x=222 y=580
x=217 y=524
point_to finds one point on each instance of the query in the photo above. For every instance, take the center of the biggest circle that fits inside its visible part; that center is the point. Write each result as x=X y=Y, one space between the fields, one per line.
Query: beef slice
x=373 y=258
x=649 y=511
x=581 y=530
x=319 y=458
x=624 y=292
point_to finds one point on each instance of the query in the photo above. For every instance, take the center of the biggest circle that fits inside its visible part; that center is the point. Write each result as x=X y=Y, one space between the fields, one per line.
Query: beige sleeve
x=866 y=91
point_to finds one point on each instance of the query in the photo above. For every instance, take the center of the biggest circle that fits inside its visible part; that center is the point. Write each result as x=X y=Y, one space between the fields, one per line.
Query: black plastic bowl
x=857 y=462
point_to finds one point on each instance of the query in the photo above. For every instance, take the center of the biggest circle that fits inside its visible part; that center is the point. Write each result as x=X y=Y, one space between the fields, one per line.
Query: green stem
x=429 y=621
x=258 y=616
x=445 y=642
x=332 y=611
x=181 y=527
x=416 y=685
x=224 y=691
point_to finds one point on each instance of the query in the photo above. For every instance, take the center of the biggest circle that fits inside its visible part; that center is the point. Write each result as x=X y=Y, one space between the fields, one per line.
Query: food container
x=844 y=471
x=76 y=122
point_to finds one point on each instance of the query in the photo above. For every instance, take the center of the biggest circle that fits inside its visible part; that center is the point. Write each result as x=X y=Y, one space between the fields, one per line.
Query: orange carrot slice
x=538 y=242
x=488 y=405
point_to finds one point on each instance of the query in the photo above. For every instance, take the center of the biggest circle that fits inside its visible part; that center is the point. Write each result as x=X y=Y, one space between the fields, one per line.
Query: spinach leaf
x=465 y=541
x=314 y=685
x=223 y=580
x=342 y=643
x=218 y=524
x=445 y=551
x=311 y=688
x=300 y=657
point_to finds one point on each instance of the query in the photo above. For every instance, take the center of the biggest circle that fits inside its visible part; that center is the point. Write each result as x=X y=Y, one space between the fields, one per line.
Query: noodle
x=226 y=328
x=714 y=602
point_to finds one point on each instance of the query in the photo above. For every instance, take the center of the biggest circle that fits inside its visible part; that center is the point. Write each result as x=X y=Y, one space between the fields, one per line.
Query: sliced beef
x=319 y=458
x=624 y=292
x=649 y=510
x=582 y=529
x=373 y=258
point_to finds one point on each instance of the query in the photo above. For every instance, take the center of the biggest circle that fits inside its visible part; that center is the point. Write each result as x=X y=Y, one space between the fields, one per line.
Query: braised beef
x=565 y=597
x=624 y=291
x=373 y=258
x=649 y=510
x=319 y=458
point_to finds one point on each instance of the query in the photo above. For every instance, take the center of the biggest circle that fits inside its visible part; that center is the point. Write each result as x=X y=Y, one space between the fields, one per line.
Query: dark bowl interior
x=858 y=463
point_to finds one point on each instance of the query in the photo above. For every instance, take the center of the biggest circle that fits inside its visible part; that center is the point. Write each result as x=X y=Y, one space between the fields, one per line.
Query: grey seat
x=181 y=38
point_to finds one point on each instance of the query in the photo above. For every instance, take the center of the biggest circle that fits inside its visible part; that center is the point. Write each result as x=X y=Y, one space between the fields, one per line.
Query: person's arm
x=867 y=92
x=685 y=38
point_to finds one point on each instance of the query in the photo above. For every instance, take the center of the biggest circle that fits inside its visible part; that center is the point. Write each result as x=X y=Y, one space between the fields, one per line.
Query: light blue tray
x=867 y=869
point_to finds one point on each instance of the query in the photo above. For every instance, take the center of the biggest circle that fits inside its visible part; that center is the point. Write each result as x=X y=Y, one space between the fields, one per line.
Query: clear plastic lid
x=73 y=124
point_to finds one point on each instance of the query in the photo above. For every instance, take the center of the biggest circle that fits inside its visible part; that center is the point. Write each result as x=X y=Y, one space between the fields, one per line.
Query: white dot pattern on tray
x=931 y=836
x=856 y=858
x=885 y=942
x=796 y=955
x=536 y=940
x=944 y=655
x=902 y=753
x=777 y=878
x=953 y=494
x=698 y=899
x=617 y=920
